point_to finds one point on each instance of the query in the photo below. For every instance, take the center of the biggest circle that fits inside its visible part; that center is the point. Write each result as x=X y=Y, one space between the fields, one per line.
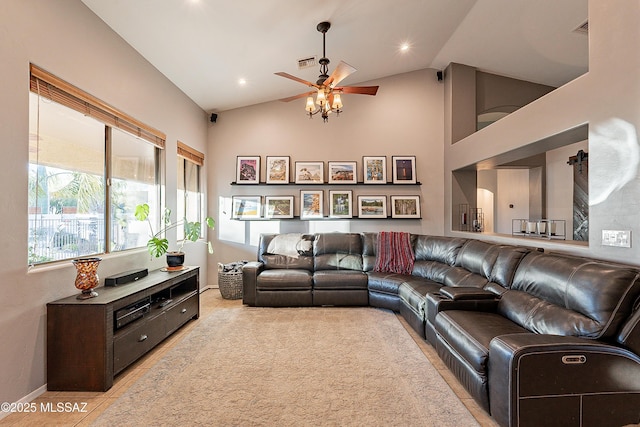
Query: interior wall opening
x=540 y=190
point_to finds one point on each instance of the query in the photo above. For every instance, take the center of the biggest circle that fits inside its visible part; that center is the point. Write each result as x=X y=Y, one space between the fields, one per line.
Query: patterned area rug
x=292 y=367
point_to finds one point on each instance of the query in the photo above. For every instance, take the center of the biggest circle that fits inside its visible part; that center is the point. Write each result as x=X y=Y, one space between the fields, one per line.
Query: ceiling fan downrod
x=323 y=27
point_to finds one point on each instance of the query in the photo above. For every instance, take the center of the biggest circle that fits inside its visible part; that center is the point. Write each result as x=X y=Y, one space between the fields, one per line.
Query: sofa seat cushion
x=386 y=283
x=414 y=291
x=469 y=333
x=339 y=279
x=284 y=280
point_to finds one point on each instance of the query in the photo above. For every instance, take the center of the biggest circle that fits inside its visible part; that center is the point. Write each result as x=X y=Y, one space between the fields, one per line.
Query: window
x=83 y=153
x=134 y=177
x=189 y=188
x=66 y=183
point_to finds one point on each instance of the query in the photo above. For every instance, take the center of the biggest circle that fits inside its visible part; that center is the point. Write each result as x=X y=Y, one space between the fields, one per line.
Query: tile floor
x=83 y=407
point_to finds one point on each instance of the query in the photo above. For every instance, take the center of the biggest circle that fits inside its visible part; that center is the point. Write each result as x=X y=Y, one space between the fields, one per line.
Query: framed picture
x=374 y=169
x=278 y=207
x=309 y=173
x=246 y=207
x=372 y=206
x=404 y=169
x=277 y=170
x=340 y=204
x=342 y=173
x=248 y=170
x=405 y=206
x=311 y=204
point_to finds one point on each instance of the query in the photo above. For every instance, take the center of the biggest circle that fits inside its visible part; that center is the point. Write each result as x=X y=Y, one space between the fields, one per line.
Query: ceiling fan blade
x=342 y=71
x=300 y=95
x=330 y=99
x=362 y=90
x=297 y=79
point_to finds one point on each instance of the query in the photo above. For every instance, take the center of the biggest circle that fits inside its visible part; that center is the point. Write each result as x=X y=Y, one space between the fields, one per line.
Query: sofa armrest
x=456 y=293
x=250 y=272
x=537 y=377
x=437 y=302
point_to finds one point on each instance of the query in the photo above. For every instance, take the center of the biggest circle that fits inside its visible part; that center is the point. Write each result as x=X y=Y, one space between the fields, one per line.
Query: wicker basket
x=230 y=284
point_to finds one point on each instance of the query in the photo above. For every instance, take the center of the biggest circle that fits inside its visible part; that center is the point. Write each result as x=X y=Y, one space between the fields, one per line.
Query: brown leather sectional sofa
x=536 y=338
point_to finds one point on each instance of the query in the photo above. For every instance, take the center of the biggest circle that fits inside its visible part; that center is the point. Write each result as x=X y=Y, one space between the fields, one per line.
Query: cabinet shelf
x=324 y=218
x=323 y=187
x=117 y=327
x=325 y=183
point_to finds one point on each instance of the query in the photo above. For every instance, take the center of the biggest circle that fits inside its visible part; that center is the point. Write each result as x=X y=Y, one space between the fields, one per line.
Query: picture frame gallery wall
x=321 y=203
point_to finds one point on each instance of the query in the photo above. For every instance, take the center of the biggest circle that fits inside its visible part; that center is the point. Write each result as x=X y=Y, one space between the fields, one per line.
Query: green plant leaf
x=192 y=230
x=211 y=223
x=166 y=217
x=142 y=212
x=157 y=247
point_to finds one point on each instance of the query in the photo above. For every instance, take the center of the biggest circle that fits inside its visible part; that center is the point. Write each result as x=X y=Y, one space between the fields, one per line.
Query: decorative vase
x=87 y=276
x=175 y=261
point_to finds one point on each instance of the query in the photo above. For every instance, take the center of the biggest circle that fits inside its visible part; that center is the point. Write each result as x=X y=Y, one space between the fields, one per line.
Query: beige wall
x=499 y=93
x=405 y=118
x=609 y=91
x=68 y=40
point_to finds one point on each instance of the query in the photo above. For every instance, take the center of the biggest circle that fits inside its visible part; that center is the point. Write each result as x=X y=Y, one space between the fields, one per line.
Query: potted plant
x=158 y=245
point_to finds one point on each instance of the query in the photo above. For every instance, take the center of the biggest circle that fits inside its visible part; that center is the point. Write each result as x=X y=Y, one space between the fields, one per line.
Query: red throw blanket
x=394 y=253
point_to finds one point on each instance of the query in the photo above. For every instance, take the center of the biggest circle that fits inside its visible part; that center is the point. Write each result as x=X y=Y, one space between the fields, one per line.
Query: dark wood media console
x=90 y=341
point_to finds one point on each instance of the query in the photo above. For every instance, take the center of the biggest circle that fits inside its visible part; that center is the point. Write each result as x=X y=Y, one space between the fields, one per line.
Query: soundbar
x=125 y=277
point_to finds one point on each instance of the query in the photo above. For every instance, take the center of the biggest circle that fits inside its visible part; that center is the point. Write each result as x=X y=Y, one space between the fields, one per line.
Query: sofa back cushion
x=506 y=264
x=369 y=245
x=302 y=246
x=480 y=264
x=565 y=295
x=473 y=265
x=437 y=248
x=435 y=256
x=337 y=251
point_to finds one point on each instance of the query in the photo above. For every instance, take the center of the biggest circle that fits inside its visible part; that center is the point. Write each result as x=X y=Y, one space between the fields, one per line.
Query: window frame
x=45 y=85
x=195 y=157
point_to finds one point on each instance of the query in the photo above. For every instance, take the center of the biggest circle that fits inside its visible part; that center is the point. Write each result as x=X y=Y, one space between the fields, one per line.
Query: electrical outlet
x=618 y=238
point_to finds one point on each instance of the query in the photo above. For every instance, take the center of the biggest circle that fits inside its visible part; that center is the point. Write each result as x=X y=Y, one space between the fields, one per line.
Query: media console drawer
x=137 y=341
x=90 y=341
x=180 y=314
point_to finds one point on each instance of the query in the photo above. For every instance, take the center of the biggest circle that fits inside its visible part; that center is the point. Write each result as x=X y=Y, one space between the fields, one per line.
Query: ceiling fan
x=326 y=89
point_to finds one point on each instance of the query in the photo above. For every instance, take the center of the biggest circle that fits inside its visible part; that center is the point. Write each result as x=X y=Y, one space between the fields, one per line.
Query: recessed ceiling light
x=242 y=82
x=405 y=46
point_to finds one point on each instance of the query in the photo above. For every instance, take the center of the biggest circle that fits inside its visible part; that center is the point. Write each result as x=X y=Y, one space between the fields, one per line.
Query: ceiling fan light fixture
x=328 y=93
x=321 y=99
x=337 y=102
x=310 y=105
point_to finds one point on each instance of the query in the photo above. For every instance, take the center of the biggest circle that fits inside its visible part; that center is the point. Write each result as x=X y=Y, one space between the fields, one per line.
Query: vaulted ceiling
x=206 y=47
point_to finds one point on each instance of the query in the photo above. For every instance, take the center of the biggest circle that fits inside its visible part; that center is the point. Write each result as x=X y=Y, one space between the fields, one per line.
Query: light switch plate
x=618 y=238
